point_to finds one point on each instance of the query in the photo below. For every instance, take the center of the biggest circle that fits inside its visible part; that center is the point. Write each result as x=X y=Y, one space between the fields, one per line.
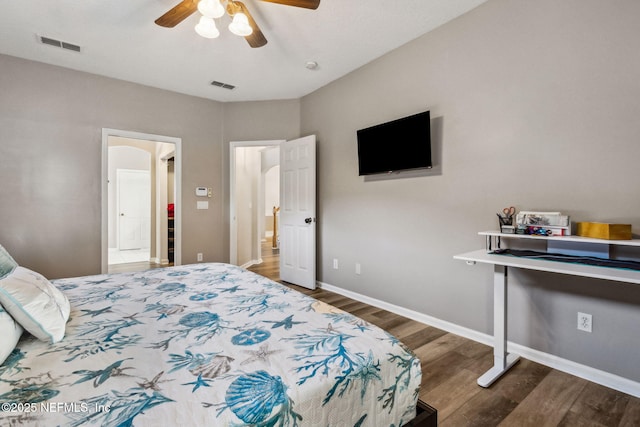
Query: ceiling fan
x=242 y=24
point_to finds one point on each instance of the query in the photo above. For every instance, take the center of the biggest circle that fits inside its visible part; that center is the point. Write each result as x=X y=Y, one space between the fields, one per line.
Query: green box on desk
x=602 y=230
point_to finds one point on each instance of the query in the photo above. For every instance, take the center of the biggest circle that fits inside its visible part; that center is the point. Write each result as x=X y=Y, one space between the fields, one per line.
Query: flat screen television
x=398 y=145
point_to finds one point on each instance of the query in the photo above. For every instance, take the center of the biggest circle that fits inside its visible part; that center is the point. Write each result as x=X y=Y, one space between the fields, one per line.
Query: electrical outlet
x=358 y=268
x=584 y=322
x=199 y=257
x=335 y=263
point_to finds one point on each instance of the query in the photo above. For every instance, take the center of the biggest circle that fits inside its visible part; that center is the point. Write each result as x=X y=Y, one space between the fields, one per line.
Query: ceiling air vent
x=222 y=85
x=57 y=43
x=69 y=46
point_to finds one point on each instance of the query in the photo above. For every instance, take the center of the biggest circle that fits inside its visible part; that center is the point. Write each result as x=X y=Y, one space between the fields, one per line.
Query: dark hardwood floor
x=529 y=395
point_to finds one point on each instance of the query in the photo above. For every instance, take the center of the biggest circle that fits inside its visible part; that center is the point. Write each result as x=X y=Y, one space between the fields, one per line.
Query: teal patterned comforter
x=207 y=345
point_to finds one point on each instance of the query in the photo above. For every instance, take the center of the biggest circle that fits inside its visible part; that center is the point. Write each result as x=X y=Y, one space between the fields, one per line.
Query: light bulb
x=240 y=25
x=207 y=28
x=210 y=8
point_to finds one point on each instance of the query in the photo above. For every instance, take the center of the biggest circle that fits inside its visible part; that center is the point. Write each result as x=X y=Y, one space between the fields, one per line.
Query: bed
x=205 y=344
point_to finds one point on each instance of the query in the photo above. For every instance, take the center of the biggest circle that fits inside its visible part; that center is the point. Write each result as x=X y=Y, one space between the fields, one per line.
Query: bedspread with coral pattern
x=207 y=344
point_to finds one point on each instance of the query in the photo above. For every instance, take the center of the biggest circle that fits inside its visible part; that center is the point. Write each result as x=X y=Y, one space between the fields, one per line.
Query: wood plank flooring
x=529 y=395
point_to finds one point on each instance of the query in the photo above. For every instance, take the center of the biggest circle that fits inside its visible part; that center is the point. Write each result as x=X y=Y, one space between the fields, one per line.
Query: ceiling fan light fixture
x=240 y=25
x=207 y=28
x=211 y=8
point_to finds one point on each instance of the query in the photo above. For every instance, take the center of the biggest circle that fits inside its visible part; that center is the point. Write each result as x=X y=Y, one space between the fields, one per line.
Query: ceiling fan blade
x=307 y=4
x=256 y=38
x=179 y=13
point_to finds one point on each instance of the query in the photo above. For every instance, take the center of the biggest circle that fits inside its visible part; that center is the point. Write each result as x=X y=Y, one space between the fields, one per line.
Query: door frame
x=233 y=224
x=177 y=142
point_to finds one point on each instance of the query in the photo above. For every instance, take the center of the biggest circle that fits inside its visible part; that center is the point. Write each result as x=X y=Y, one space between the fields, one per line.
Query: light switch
x=202 y=205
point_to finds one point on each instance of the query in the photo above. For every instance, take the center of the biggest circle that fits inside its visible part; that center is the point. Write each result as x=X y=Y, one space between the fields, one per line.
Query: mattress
x=207 y=344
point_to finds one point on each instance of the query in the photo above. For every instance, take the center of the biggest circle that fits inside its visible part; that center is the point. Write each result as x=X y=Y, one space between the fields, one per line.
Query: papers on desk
x=544 y=223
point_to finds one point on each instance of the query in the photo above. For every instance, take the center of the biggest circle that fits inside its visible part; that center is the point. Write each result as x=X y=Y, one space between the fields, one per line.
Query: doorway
x=254 y=195
x=296 y=218
x=124 y=231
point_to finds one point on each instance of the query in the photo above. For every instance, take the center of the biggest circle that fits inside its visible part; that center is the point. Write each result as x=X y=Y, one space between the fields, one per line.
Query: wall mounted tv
x=398 y=145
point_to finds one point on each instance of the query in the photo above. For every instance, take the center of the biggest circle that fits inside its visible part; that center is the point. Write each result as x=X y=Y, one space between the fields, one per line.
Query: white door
x=134 y=209
x=298 y=211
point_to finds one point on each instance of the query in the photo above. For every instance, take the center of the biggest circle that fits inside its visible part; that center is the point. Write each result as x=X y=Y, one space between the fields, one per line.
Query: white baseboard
x=597 y=376
x=252 y=262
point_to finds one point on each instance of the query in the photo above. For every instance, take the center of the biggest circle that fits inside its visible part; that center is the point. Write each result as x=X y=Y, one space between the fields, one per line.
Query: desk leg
x=502 y=360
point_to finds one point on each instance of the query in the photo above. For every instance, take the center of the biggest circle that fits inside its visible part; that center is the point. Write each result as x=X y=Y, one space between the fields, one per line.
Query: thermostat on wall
x=201 y=191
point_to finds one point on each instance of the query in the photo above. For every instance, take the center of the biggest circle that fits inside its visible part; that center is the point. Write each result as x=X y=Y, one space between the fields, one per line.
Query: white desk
x=503 y=360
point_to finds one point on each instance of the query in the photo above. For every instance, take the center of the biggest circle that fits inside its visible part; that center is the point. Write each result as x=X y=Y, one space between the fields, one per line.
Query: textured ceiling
x=119 y=39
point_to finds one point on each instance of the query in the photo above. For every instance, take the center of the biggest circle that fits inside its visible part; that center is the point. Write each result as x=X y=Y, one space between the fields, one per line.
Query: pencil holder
x=506 y=224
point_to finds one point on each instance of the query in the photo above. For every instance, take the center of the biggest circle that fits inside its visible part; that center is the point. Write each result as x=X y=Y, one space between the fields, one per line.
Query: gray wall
x=534 y=104
x=255 y=121
x=50 y=159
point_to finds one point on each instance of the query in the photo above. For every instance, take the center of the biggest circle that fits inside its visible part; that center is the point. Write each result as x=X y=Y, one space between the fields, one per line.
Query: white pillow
x=10 y=332
x=37 y=305
x=7 y=264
